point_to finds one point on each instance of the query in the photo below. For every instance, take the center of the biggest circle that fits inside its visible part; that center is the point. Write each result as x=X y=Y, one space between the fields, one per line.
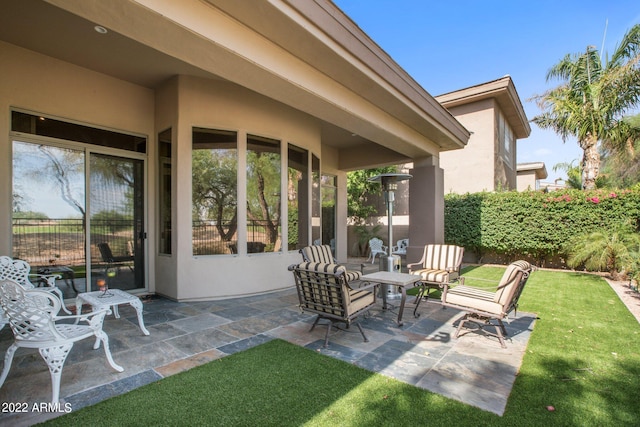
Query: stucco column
x=426 y=207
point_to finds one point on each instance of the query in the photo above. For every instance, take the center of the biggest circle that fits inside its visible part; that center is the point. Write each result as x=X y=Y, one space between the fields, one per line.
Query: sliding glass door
x=116 y=206
x=79 y=214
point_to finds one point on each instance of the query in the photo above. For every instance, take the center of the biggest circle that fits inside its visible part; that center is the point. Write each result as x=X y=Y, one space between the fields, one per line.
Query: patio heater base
x=392 y=264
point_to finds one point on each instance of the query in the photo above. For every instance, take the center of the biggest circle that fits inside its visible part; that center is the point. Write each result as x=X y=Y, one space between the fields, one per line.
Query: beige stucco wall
x=42 y=84
x=472 y=168
x=527 y=180
x=220 y=105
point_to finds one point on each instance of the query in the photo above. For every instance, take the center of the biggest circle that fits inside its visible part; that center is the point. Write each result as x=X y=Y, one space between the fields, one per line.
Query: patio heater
x=391 y=262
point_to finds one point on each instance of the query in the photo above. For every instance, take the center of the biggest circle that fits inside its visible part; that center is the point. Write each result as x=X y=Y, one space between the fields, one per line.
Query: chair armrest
x=84 y=317
x=362 y=285
x=413 y=265
x=49 y=278
x=445 y=290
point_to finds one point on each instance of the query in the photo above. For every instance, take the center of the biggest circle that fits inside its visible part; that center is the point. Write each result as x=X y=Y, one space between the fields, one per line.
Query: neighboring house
x=494 y=115
x=557 y=184
x=530 y=174
x=207 y=139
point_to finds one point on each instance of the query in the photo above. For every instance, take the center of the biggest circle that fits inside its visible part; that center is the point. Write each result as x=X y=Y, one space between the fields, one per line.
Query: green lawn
x=583 y=359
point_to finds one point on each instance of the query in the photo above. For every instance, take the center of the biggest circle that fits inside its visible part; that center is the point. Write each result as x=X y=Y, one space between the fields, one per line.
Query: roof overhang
x=503 y=91
x=538 y=168
x=306 y=54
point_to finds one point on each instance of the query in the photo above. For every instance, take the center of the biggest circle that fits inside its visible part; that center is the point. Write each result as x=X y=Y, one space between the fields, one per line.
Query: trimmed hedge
x=534 y=225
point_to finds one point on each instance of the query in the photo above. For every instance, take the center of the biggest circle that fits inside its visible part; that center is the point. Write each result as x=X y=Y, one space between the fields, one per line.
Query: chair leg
x=102 y=336
x=314 y=323
x=8 y=359
x=501 y=332
x=504 y=330
x=55 y=358
x=326 y=337
x=362 y=332
x=461 y=323
x=419 y=299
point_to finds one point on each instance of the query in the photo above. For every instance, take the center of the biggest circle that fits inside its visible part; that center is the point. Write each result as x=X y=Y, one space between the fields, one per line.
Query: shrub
x=535 y=224
x=604 y=250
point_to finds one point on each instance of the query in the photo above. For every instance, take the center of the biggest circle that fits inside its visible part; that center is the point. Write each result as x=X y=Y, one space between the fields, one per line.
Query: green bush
x=533 y=224
x=613 y=250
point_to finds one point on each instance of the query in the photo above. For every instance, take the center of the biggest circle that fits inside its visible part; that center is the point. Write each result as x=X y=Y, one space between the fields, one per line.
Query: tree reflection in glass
x=263 y=194
x=214 y=192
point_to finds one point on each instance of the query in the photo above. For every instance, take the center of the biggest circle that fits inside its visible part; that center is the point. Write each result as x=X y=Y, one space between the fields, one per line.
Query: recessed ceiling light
x=100 y=29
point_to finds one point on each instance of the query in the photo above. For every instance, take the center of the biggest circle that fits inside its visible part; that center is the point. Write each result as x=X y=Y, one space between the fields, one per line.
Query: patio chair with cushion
x=323 y=289
x=324 y=254
x=481 y=307
x=34 y=321
x=440 y=265
x=376 y=247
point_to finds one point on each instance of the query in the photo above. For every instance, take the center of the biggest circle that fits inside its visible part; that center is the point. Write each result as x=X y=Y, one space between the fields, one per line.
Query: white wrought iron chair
x=33 y=318
x=19 y=271
x=401 y=247
x=376 y=247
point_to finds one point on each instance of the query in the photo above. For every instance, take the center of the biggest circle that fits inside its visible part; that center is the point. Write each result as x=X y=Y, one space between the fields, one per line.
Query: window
x=316 y=216
x=298 y=198
x=263 y=195
x=505 y=139
x=164 y=196
x=329 y=199
x=214 y=172
x=44 y=126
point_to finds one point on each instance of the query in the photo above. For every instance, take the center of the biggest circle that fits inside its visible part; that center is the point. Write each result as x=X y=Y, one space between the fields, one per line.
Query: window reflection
x=298 y=198
x=263 y=195
x=315 y=201
x=164 y=195
x=329 y=198
x=214 y=192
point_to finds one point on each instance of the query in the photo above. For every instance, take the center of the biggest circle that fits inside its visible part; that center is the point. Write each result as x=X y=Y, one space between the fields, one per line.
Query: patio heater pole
x=389 y=182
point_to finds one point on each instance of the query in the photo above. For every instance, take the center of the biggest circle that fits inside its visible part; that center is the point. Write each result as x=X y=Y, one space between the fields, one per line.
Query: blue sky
x=446 y=46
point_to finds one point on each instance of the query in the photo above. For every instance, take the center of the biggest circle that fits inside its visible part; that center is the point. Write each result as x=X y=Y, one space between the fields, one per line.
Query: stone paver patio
x=473 y=369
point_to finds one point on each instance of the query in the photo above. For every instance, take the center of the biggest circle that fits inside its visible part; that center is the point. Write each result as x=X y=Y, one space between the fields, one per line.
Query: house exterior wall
x=527 y=181
x=46 y=85
x=291 y=71
x=219 y=105
x=473 y=168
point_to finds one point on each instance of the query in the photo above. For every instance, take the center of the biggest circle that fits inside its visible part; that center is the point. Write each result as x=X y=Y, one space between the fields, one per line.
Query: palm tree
x=592 y=99
x=573 y=174
x=604 y=250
